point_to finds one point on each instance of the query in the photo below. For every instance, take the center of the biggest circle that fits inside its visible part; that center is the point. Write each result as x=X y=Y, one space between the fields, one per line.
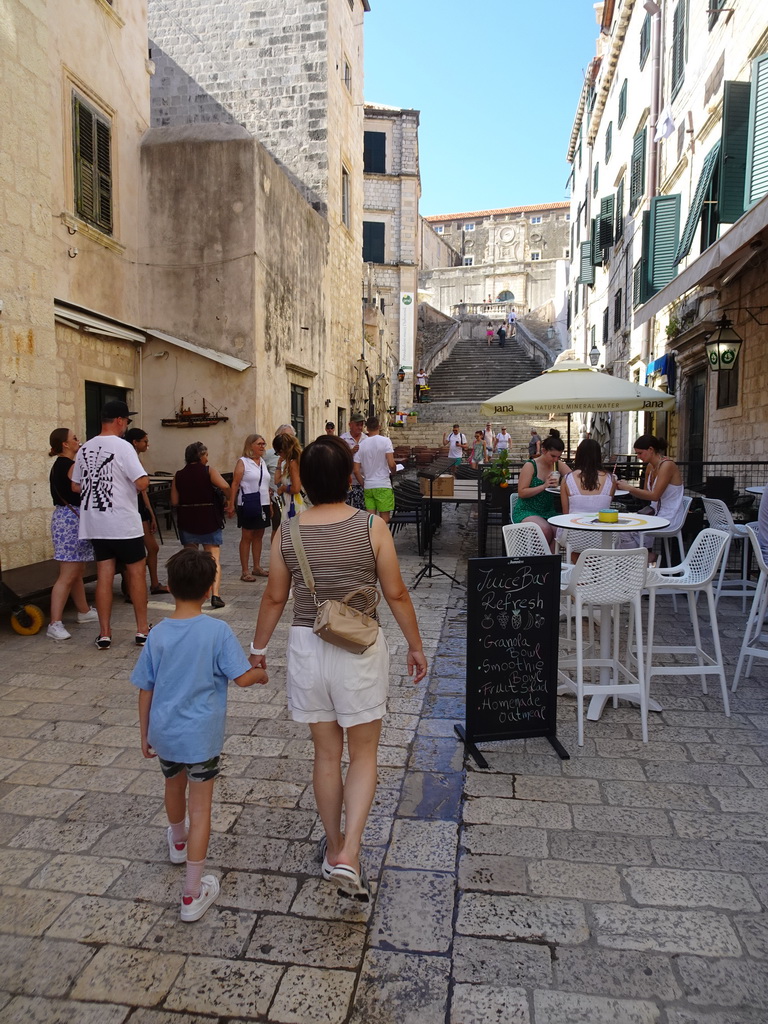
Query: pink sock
x=179 y=831
x=194 y=874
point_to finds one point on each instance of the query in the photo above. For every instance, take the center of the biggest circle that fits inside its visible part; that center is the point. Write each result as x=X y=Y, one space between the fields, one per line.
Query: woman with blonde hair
x=249 y=497
x=287 y=478
x=68 y=550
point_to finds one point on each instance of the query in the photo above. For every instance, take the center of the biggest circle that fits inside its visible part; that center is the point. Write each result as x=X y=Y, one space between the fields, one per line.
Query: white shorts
x=328 y=684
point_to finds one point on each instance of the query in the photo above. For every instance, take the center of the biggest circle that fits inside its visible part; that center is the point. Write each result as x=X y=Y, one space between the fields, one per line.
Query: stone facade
x=508 y=255
x=292 y=74
x=617 y=119
x=435 y=250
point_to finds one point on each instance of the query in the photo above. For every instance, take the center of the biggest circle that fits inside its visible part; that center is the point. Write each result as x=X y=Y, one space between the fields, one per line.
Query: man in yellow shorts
x=374 y=461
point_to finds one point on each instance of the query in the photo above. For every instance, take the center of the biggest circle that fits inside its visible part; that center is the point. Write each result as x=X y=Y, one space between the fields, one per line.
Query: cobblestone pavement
x=625 y=886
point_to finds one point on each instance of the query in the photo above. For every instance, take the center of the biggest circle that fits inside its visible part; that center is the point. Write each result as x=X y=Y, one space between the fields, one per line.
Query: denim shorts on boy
x=379 y=499
x=200 y=772
x=125 y=551
x=328 y=684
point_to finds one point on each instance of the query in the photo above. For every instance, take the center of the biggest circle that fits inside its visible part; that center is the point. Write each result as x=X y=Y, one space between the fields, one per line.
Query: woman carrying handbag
x=333 y=689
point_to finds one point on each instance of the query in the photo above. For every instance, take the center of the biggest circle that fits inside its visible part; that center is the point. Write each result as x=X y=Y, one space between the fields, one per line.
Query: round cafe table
x=755 y=490
x=627 y=522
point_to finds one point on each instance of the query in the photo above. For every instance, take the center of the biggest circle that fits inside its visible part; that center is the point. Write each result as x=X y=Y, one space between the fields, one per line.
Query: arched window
x=505 y=296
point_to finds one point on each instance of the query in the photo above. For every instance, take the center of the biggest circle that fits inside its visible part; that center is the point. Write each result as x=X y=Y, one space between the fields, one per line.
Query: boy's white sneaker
x=177 y=852
x=90 y=616
x=56 y=631
x=192 y=909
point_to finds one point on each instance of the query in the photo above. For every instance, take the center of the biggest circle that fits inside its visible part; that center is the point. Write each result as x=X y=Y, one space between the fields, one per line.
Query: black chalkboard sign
x=513 y=610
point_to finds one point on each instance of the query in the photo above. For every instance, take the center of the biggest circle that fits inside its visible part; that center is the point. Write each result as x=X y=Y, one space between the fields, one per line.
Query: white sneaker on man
x=90 y=616
x=56 y=631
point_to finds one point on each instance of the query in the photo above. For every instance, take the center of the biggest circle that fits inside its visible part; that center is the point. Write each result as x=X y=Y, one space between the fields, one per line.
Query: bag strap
x=301 y=555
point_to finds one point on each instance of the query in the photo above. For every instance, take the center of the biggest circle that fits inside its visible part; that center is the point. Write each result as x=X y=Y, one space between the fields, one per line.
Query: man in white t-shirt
x=421 y=382
x=502 y=440
x=374 y=461
x=456 y=442
x=108 y=475
x=488 y=438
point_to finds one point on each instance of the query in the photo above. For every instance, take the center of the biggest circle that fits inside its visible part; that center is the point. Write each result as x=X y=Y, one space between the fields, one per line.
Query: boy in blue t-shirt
x=182 y=674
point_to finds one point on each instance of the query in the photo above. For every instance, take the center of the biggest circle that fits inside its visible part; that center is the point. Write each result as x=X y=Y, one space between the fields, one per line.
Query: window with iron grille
x=92 y=145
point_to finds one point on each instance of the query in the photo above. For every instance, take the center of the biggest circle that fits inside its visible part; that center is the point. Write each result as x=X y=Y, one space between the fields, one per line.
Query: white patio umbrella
x=571 y=386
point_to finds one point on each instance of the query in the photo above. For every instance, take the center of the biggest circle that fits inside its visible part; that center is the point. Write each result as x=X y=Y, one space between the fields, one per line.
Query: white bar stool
x=719 y=518
x=667 y=535
x=753 y=634
x=693 y=576
x=609 y=579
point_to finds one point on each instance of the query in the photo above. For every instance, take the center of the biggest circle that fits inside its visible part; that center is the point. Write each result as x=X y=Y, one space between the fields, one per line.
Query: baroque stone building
x=669 y=210
x=509 y=255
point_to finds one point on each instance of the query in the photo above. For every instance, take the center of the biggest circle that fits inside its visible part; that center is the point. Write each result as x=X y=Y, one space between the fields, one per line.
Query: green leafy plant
x=499 y=473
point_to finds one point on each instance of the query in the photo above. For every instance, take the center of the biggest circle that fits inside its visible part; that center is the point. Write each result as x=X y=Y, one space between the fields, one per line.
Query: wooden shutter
x=375 y=152
x=664 y=227
x=733 y=151
x=373 y=242
x=605 y=327
x=714 y=8
x=598 y=253
x=617 y=302
x=608 y=141
x=619 y=230
x=697 y=202
x=637 y=171
x=640 y=272
x=756 y=183
x=92 y=141
x=595 y=178
x=645 y=39
x=622 y=103
x=678 y=47
x=586 y=267
x=606 y=223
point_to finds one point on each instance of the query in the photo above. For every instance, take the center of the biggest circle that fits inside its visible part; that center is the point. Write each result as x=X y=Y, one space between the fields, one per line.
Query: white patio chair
x=666 y=536
x=522 y=540
x=609 y=579
x=693 y=576
x=719 y=518
x=753 y=634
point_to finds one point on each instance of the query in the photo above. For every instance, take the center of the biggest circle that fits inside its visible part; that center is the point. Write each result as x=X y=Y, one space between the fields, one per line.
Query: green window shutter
x=756 y=184
x=619 y=230
x=595 y=178
x=640 y=290
x=622 y=103
x=664 y=229
x=608 y=141
x=697 y=203
x=605 y=327
x=714 y=7
x=598 y=253
x=586 y=267
x=645 y=39
x=92 y=141
x=678 y=47
x=606 y=223
x=733 y=151
x=637 y=171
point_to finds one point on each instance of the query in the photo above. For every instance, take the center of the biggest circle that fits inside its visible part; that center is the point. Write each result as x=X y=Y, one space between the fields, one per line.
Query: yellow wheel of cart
x=27 y=620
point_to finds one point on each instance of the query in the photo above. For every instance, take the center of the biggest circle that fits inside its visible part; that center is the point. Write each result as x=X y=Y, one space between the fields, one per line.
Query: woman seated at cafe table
x=664 y=489
x=588 y=488
x=534 y=503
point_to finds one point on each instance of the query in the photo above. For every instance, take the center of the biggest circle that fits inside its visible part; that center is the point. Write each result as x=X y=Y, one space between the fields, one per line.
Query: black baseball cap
x=116 y=410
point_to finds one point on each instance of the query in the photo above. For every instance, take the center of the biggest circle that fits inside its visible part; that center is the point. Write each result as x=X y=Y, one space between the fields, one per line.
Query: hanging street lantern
x=594 y=354
x=401 y=374
x=723 y=346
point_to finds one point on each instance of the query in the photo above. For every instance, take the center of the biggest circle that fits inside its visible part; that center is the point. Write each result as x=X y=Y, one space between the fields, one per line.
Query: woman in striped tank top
x=329 y=688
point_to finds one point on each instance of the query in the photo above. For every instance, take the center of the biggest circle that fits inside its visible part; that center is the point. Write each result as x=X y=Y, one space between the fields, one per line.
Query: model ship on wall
x=186 y=418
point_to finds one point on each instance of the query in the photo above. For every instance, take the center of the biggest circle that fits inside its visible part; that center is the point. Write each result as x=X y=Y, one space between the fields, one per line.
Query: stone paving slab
x=627 y=885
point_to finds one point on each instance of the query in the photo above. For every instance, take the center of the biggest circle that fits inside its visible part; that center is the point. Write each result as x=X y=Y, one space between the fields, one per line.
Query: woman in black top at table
x=68 y=550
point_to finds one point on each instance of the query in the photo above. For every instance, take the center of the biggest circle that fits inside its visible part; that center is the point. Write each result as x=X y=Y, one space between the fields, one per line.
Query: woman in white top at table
x=664 y=488
x=588 y=488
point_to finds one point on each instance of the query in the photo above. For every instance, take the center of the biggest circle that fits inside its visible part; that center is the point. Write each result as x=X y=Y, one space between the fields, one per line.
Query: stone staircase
x=473 y=373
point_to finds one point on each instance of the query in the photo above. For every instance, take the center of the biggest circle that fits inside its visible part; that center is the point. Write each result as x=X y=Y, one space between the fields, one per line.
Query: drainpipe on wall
x=590 y=155
x=652 y=178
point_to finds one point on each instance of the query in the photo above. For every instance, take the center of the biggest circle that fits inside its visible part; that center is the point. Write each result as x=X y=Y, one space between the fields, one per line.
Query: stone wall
x=434 y=250
x=258 y=304
x=28 y=396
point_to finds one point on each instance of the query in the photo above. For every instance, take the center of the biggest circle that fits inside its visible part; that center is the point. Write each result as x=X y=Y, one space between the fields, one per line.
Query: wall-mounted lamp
x=327 y=402
x=723 y=346
x=594 y=354
x=401 y=374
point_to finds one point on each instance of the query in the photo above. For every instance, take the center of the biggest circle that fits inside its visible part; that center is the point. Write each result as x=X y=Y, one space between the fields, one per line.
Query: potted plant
x=497 y=479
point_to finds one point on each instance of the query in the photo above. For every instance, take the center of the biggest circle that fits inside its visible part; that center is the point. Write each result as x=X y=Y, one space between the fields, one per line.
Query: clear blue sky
x=497 y=83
